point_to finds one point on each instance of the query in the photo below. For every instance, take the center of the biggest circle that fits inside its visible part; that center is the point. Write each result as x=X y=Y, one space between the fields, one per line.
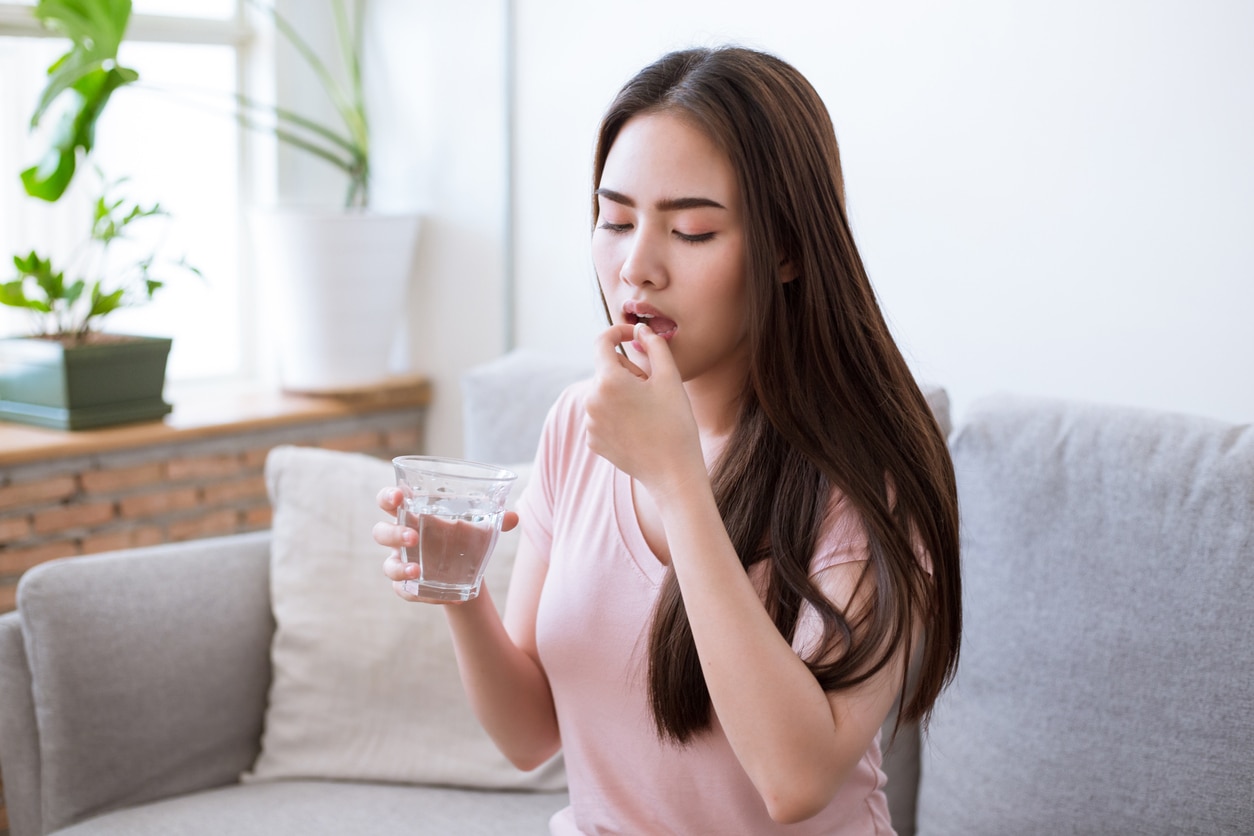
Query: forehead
x=661 y=155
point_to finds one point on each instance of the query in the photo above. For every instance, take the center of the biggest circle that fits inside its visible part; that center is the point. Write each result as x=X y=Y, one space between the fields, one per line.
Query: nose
x=644 y=264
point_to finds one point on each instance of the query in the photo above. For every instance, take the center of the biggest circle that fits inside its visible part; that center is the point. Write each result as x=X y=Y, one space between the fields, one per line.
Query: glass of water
x=456 y=507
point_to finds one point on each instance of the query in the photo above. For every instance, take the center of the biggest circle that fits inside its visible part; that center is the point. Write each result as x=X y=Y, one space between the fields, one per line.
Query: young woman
x=743 y=531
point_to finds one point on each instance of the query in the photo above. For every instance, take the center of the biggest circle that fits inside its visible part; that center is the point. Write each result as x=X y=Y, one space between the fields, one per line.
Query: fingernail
x=640 y=330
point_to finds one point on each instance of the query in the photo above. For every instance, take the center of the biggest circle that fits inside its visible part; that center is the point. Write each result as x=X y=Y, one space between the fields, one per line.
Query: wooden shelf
x=209 y=412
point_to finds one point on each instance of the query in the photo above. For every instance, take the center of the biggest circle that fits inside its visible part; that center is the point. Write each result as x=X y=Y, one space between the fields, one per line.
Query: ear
x=787 y=272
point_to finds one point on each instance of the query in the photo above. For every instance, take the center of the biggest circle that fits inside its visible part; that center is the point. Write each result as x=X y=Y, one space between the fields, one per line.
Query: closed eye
x=694 y=239
x=609 y=227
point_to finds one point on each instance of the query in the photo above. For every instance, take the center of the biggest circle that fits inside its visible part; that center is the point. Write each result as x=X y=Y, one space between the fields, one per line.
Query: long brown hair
x=829 y=402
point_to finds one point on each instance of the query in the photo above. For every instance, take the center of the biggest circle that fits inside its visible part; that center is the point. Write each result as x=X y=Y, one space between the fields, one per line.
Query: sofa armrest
x=149 y=672
x=19 y=742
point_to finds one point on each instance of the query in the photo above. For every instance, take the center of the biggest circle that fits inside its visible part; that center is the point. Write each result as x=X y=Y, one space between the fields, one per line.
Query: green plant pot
x=78 y=387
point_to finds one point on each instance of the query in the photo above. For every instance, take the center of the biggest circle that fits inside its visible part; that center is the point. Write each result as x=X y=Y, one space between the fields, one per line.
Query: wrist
x=684 y=495
x=680 y=479
x=465 y=612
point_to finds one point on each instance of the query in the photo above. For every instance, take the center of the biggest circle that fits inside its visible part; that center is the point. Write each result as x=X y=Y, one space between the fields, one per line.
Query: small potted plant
x=68 y=374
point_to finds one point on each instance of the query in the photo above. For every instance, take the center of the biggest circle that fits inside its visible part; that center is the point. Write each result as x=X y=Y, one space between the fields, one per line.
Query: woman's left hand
x=642 y=422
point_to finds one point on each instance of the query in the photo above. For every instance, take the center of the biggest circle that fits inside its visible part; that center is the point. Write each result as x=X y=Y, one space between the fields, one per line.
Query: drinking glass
x=456 y=506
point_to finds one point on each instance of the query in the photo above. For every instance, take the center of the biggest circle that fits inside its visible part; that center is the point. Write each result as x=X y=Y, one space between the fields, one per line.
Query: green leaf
x=50 y=178
x=41 y=271
x=75 y=133
x=152 y=285
x=191 y=268
x=87 y=74
x=104 y=229
x=279 y=114
x=103 y=303
x=95 y=29
x=53 y=285
x=139 y=213
x=74 y=291
x=112 y=218
x=30 y=265
x=13 y=294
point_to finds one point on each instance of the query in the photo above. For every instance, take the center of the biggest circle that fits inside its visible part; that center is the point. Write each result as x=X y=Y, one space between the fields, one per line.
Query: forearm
x=777 y=718
x=507 y=687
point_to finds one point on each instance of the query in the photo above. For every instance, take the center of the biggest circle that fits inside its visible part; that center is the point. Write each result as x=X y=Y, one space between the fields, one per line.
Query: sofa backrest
x=505 y=402
x=1106 y=682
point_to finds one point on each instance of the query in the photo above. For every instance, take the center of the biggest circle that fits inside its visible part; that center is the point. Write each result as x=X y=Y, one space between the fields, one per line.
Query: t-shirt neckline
x=633 y=535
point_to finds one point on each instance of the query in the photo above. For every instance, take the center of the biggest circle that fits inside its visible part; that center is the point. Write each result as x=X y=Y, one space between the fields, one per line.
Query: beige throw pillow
x=365 y=684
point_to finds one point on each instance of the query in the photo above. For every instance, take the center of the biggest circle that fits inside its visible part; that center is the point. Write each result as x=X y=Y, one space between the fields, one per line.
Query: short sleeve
x=843 y=539
x=539 y=499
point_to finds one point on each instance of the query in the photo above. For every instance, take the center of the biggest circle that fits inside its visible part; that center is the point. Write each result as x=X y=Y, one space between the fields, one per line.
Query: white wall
x=439 y=105
x=1051 y=198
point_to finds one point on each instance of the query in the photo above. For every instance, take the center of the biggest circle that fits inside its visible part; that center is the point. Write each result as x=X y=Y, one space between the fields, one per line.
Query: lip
x=637 y=310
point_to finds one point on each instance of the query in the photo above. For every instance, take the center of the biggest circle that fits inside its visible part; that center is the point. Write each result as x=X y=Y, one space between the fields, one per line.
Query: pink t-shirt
x=591 y=631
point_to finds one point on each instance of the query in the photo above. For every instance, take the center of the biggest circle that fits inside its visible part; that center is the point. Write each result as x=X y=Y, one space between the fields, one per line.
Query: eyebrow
x=670 y=204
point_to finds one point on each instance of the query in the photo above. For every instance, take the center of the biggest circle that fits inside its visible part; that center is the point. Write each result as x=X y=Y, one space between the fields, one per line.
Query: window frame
x=18 y=20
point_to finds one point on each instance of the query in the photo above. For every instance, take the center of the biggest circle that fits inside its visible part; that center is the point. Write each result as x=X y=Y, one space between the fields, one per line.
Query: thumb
x=509 y=521
x=661 y=361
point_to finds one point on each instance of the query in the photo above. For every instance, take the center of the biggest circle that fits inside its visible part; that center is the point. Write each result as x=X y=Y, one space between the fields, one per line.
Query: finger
x=399 y=588
x=661 y=361
x=606 y=356
x=398 y=570
x=402 y=590
x=394 y=536
x=389 y=500
x=509 y=521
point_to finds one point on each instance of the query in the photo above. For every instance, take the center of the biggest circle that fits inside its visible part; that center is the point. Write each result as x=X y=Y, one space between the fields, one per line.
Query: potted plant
x=334 y=280
x=68 y=374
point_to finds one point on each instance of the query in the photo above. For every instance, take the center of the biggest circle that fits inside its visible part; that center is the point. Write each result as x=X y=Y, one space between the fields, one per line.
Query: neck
x=716 y=408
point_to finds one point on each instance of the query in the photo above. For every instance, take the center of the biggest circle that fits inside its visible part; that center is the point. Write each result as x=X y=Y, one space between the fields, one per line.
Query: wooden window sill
x=208 y=413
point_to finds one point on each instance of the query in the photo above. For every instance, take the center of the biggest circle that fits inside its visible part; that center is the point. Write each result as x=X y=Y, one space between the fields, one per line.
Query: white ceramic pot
x=334 y=288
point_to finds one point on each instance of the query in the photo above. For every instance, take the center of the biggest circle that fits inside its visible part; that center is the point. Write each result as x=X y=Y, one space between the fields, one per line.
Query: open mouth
x=655 y=322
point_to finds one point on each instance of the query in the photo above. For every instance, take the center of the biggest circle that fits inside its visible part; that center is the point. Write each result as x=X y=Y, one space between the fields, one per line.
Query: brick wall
x=165 y=492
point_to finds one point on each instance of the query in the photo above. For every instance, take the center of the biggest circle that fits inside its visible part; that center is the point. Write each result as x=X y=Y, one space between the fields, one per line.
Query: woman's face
x=669 y=244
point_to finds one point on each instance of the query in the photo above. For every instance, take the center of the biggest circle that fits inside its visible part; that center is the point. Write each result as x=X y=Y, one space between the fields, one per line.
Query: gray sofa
x=1105 y=684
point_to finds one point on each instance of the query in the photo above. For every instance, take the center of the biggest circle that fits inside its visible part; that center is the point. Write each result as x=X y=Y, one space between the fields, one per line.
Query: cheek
x=727 y=284
x=723 y=278
x=605 y=261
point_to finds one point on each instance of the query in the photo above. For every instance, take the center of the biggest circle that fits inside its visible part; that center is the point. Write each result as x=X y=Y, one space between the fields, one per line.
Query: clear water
x=456 y=535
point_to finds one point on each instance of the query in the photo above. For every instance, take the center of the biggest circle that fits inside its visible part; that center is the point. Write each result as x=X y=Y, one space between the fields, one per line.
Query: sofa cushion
x=1104 y=684
x=326 y=808
x=365 y=684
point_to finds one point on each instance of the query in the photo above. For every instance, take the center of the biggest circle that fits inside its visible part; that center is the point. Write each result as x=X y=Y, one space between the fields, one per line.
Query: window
x=171 y=134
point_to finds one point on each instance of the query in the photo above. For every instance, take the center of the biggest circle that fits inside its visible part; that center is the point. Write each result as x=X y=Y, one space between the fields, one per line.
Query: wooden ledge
x=210 y=412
